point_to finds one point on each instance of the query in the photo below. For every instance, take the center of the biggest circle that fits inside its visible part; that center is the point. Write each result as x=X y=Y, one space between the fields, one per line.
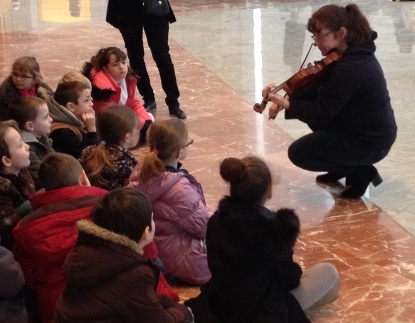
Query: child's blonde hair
x=75 y=76
x=28 y=65
x=166 y=137
x=113 y=123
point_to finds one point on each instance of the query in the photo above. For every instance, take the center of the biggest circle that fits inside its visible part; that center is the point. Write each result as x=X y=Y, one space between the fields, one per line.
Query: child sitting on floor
x=12 y=307
x=109 y=164
x=180 y=211
x=43 y=238
x=25 y=80
x=16 y=184
x=250 y=255
x=113 y=82
x=32 y=116
x=73 y=126
x=108 y=278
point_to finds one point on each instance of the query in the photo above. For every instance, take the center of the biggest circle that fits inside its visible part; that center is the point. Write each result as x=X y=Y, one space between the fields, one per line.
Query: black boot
x=177 y=112
x=329 y=178
x=360 y=180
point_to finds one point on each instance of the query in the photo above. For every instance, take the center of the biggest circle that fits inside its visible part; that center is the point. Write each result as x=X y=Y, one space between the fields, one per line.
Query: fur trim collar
x=97 y=231
x=4 y=183
x=101 y=92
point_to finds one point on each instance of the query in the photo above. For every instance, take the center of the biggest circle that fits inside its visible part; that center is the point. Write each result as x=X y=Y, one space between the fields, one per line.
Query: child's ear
x=180 y=154
x=269 y=192
x=146 y=237
x=28 y=126
x=83 y=179
x=126 y=142
x=5 y=161
x=70 y=106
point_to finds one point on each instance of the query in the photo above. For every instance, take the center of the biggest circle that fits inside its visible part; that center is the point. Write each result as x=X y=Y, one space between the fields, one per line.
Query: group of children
x=94 y=232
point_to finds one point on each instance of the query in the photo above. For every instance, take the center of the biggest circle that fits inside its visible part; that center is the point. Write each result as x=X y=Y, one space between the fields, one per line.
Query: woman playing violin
x=347 y=106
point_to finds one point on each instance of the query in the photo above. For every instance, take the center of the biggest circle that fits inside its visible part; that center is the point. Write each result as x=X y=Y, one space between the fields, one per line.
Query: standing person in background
x=348 y=107
x=130 y=18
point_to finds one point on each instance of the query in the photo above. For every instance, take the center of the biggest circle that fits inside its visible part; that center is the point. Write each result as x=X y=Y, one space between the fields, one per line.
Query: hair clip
x=103 y=142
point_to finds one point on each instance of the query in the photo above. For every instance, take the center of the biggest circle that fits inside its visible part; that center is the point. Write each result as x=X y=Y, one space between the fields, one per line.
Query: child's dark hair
x=24 y=109
x=124 y=211
x=113 y=123
x=28 y=65
x=4 y=147
x=102 y=57
x=249 y=178
x=166 y=137
x=58 y=170
x=69 y=92
x=350 y=17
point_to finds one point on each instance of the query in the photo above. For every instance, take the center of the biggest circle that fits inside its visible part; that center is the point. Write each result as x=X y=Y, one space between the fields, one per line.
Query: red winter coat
x=43 y=239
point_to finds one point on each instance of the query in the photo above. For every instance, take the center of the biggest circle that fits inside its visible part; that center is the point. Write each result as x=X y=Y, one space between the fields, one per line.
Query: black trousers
x=157 y=34
x=327 y=150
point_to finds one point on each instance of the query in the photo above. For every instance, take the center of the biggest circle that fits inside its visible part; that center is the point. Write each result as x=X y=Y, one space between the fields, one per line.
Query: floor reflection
x=224 y=52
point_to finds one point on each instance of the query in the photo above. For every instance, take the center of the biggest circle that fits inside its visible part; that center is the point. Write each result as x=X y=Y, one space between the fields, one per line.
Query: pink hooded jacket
x=104 y=83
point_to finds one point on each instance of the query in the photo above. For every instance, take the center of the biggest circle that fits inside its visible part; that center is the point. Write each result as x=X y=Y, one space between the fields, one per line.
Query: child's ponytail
x=96 y=163
x=166 y=137
x=152 y=166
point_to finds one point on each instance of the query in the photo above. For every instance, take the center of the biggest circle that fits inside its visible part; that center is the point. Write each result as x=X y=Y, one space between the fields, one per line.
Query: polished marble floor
x=224 y=52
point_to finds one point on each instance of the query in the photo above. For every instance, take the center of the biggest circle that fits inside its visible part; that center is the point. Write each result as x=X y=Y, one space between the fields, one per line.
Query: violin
x=296 y=82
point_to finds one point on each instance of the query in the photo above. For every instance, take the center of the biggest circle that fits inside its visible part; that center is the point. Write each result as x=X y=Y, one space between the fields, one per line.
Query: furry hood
x=97 y=231
x=258 y=225
x=9 y=92
x=99 y=93
x=100 y=254
x=4 y=183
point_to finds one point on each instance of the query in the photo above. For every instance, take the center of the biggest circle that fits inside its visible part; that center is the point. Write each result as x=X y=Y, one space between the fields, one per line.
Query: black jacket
x=127 y=14
x=250 y=251
x=352 y=98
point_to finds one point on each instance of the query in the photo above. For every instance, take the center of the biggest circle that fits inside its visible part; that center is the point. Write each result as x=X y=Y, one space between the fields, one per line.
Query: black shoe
x=150 y=105
x=329 y=178
x=360 y=180
x=177 y=112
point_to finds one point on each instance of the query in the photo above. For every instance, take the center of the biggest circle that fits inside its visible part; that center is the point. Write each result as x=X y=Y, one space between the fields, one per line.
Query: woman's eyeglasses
x=189 y=143
x=17 y=75
x=319 y=36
